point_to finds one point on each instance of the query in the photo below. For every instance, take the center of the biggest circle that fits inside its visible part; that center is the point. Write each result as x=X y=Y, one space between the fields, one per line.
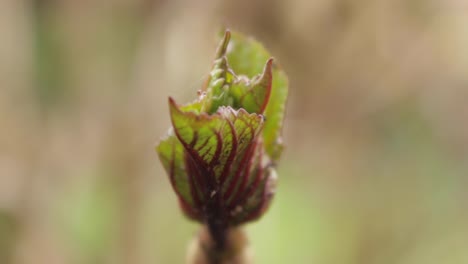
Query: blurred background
x=376 y=165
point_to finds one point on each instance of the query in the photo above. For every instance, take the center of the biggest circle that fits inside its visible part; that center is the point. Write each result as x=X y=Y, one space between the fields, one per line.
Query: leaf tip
x=173 y=109
x=222 y=48
x=270 y=62
x=172 y=104
x=268 y=69
x=266 y=81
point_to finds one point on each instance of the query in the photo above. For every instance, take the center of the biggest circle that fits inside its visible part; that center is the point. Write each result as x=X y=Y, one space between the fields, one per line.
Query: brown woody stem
x=205 y=249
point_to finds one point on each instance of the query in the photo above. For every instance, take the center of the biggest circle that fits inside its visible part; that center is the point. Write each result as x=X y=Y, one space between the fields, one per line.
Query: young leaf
x=247 y=57
x=220 y=152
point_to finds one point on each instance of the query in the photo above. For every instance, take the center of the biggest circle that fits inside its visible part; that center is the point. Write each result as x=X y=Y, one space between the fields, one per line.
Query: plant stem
x=229 y=248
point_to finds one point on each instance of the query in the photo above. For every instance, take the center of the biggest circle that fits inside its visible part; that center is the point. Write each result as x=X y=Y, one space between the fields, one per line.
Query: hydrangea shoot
x=221 y=152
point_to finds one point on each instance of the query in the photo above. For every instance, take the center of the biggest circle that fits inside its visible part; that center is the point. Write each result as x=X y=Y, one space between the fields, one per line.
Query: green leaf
x=253 y=95
x=275 y=114
x=220 y=154
x=225 y=88
x=214 y=141
x=213 y=155
x=260 y=193
x=247 y=57
x=171 y=154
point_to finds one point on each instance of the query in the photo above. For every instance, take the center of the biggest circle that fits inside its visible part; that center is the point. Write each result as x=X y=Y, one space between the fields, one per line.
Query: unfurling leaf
x=220 y=152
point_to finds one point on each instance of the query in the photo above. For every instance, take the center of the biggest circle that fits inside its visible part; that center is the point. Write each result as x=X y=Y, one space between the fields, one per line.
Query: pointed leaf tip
x=172 y=106
x=172 y=102
x=270 y=61
x=266 y=80
x=267 y=73
x=222 y=48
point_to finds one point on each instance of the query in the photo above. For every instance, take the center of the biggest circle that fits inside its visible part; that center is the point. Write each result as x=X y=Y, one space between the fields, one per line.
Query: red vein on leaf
x=265 y=197
x=172 y=178
x=251 y=189
x=204 y=156
x=245 y=175
x=188 y=148
x=203 y=145
x=194 y=139
x=200 y=176
x=257 y=211
x=240 y=168
x=191 y=170
x=244 y=165
x=219 y=146
x=233 y=182
x=232 y=153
